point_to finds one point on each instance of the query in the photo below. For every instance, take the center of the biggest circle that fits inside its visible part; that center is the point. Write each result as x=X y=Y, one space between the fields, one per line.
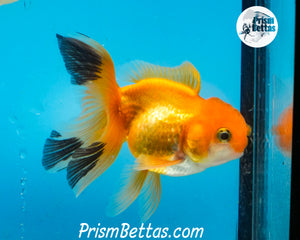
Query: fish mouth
x=228 y=159
x=221 y=154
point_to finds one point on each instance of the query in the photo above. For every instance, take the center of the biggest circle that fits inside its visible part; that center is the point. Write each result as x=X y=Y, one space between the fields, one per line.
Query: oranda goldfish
x=169 y=128
x=283 y=131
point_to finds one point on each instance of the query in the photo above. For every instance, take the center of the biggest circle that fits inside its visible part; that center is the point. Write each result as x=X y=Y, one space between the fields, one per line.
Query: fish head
x=219 y=134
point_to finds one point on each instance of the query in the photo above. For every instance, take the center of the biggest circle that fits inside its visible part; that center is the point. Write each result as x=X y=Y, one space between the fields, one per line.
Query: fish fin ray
x=100 y=127
x=57 y=151
x=85 y=59
x=91 y=123
x=185 y=73
x=83 y=161
x=83 y=170
x=151 y=194
x=89 y=64
x=128 y=193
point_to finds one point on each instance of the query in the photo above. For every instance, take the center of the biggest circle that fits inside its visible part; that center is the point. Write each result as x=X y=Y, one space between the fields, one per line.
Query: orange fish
x=283 y=131
x=169 y=128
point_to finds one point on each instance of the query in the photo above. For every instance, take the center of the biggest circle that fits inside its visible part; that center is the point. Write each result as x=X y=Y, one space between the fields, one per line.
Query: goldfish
x=283 y=131
x=169 y=128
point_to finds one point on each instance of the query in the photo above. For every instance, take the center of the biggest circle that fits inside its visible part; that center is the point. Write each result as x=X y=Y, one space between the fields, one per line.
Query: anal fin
x=150 y=196
x=128 y=193
x=139 y=181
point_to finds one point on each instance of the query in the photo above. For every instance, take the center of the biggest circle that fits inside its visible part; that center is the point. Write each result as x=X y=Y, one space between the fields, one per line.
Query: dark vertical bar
x=246 y=162
x=295 y=185
x=260 y=158
x=254 y=102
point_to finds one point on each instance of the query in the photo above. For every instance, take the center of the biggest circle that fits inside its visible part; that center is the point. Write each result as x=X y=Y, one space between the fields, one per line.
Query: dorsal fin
x=185 y=73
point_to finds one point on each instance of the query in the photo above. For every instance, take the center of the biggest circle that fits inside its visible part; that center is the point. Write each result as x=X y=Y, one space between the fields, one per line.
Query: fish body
x=283 y=131
x=169 y=128
x=159 y=128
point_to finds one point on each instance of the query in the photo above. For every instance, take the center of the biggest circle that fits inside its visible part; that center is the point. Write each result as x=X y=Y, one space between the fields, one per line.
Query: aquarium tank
x=146 y=119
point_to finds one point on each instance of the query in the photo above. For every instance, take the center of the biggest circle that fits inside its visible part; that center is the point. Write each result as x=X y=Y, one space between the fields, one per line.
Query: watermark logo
x=257 y=26
x=125 y=231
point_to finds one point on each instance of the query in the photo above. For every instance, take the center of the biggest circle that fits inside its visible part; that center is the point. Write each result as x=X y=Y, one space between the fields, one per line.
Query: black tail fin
x=58 y=151
x=94 y=141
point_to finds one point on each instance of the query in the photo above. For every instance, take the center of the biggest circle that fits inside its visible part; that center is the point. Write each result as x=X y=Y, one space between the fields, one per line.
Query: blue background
x=36 y=96
x=281 y=82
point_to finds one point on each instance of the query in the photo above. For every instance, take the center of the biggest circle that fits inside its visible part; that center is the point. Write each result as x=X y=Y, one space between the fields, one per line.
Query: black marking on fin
x=55 y=134
x=84 y=160
x=56 y=150
x=81 y=60
x=83 y=34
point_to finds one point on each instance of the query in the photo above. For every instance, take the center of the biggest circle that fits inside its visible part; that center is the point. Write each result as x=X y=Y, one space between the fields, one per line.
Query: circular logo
x=257 y=26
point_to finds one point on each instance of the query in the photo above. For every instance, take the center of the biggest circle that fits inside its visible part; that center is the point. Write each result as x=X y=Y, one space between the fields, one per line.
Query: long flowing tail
x=96 y=139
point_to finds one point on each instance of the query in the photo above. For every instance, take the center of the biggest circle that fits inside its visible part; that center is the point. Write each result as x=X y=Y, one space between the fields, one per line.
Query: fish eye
x=223 y=135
